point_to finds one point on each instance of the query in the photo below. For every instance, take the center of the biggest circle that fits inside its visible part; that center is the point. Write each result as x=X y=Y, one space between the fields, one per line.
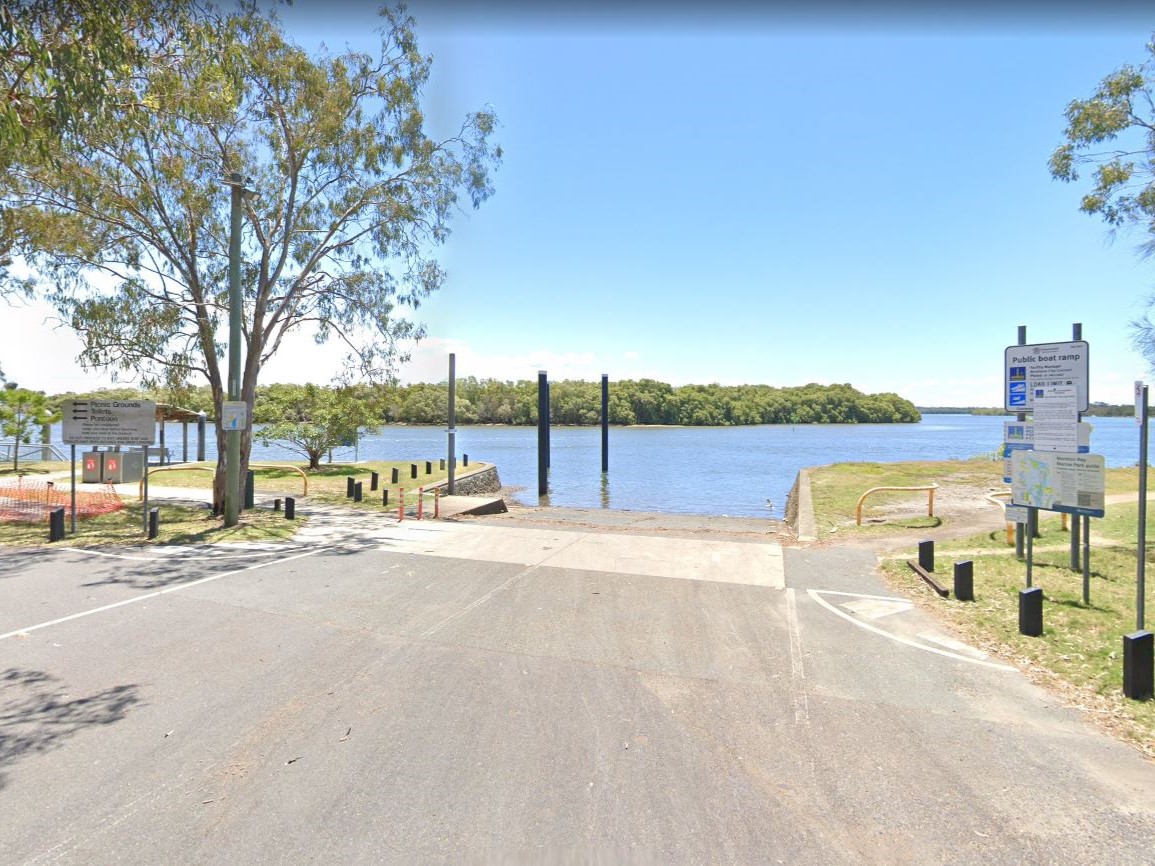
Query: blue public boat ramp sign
x=1044 y=365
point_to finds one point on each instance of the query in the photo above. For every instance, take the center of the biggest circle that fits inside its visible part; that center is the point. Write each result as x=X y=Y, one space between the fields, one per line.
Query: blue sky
x=724 y=195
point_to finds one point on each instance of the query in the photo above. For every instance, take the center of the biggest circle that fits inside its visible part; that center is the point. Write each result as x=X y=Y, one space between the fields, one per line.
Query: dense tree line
x=572 y=402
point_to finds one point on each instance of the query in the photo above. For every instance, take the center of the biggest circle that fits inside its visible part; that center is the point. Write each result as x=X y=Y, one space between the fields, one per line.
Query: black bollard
x=290 y=508
x=385 y=497
x=1031 y=611
x=926 y=555
x=464 y=459
x=428 y=467
x=1139 y=665
x=56 y=524
x=350 y=481
x=357 y=491
x=412 y=470
x=374 y=480
x=394 y=479
x=964 y=580
x=249 y=488
x=442 y=467
x=154 y=521
x=276 y=505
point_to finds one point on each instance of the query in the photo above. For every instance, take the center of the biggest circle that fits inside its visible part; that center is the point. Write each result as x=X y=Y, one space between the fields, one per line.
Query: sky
x=748 y=194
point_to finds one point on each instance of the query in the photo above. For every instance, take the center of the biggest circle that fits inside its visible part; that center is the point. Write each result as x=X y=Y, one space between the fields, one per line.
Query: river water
x=690 y=470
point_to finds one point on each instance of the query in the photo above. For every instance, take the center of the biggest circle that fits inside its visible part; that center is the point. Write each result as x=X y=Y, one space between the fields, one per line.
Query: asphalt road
x=500 y=693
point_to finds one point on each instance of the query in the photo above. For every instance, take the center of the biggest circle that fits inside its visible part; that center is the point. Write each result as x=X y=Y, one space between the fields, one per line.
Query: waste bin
x=92 y=467
x=121 y=467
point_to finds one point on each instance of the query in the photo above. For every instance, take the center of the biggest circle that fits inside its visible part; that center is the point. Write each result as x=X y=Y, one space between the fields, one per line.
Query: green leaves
x=1120 y=111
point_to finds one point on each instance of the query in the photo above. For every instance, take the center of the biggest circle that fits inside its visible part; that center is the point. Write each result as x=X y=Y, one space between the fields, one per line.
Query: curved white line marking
x=814 y=594
x=246 y=554
x=135 y=599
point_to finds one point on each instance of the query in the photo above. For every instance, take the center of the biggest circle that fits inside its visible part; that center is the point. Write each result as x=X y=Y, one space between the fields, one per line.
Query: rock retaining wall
x=479 y=483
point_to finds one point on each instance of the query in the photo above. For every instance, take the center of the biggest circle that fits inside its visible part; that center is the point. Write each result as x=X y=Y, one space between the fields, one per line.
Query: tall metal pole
x=1077 y=334
x=233 y=437
x=1021 y=416
x=605 y=423
x=542 y=433
x=1141 y=569
x=452 y=429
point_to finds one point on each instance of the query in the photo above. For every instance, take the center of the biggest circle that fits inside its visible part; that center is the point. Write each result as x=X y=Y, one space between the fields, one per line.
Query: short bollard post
x=56 y=524
x=420 y=502
x=1139 y=665
x=374 y=480
x=290 y=508
x=385 y=497
x=964 y=580
x=276 y=505
x=442 y=464
x=250 y=488
x=395 y=479
x=428 y=467
x=153 y=522
x=357 y=491
x=436 y=503
x=926 y=555
x=464 y=459
x=412 y=470
x=350 y=483
x=1031 y=611
x=400 y=504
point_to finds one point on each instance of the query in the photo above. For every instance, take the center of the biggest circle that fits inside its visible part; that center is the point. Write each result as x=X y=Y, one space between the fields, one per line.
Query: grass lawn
x=326 y=484
x=1080 y=652
x=178 y=524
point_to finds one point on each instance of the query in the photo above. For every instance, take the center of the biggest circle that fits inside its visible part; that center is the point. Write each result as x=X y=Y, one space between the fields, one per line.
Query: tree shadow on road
x=37 y=713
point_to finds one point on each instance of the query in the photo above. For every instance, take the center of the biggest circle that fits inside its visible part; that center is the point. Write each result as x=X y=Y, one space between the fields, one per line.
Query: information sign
x=234 y=415
x=1074 y=483
x=1017 y=514
x=1045 y=365
x=108 y=422
x=1056 y=419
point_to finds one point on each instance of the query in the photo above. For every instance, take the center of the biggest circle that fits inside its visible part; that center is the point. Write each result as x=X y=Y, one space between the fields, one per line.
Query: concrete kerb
x=806 y=528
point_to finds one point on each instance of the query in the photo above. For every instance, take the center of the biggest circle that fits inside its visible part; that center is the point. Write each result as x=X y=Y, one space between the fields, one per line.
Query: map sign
x=1045 y=365
x=1053 y=481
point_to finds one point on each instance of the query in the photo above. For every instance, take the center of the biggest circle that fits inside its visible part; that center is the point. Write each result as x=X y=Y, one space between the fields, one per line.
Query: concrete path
x=489 y=692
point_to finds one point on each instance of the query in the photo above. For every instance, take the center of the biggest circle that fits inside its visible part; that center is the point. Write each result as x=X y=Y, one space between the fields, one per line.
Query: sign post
x=114 y=423
x=1139 y=647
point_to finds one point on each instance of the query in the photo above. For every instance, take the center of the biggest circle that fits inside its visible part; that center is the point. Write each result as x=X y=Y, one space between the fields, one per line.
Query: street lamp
x=240 y=194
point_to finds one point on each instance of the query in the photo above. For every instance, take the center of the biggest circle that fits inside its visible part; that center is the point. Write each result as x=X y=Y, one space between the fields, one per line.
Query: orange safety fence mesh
x=27 y=501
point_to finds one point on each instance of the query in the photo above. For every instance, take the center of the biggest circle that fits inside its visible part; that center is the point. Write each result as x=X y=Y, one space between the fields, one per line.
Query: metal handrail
x=36 y=449
x=929 y=488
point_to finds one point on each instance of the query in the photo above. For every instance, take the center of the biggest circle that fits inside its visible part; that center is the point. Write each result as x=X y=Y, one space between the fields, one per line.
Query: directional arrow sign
x=109 y=422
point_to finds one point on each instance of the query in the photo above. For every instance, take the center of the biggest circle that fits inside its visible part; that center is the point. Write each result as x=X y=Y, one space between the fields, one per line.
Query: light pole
x=233 y=436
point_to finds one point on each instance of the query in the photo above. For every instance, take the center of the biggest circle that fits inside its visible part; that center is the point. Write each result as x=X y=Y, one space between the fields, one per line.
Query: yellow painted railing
x=184 y=468
x=929 y=488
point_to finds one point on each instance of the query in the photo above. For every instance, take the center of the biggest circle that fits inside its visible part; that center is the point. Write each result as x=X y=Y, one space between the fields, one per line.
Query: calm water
x=693 y=470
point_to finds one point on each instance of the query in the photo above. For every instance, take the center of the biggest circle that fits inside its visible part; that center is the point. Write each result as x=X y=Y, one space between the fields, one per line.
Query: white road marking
x=874 y=608
x=951 y=644
x=182 y=552
x=797 y=672
x=816 y=594
x=25 y=631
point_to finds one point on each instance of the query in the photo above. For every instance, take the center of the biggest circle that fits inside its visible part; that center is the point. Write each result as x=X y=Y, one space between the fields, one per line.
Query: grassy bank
x=178 y=524
x=1079 y=653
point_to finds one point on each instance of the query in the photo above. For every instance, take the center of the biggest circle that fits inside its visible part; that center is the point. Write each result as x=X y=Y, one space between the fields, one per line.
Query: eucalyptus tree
x=354 y=196
x=1112 y=134
x=22 y=412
